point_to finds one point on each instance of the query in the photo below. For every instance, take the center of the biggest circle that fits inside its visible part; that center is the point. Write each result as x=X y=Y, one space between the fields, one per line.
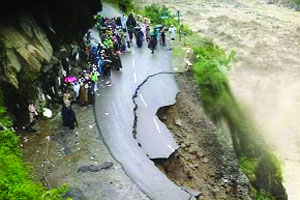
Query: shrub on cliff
x=256 y=161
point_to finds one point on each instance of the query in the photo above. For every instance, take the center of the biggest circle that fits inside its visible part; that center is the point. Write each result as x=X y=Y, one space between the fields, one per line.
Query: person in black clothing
x=130 y=23
x=140 y=38
x=72 y=119
x=90 y=92
x=107 y=69
x=116 y=61
x=163 y=37
x=65 y=115
x=152 y=43
x=69 y=117
x=118 y=21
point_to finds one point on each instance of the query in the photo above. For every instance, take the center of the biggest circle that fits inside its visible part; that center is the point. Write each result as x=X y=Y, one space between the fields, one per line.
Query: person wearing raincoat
x=152 y=43
x=140 y=38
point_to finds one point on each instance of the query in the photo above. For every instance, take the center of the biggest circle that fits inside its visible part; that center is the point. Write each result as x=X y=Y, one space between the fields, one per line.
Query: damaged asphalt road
x=114 y=115
x=159 y=143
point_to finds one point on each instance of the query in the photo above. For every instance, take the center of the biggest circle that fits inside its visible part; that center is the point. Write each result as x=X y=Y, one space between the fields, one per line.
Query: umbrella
x=70 y=79
x=158 y=26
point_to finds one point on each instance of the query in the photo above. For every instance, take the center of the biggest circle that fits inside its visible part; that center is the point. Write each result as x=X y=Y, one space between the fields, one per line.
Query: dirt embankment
x=206 y=160
x=61 y=156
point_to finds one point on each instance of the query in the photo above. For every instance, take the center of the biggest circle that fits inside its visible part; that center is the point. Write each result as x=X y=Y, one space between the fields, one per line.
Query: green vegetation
x=211 y=63
x=262 y=195
x=158 y=15
x=162 y=15
x=297 y=2
x=15 y=181
x=248 y=166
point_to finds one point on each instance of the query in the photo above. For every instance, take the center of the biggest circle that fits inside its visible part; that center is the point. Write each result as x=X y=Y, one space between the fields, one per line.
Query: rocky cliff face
x=38 y=43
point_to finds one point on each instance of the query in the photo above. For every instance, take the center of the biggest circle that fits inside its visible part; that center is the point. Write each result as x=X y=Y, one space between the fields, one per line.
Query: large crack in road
x=135 y=95
x=135 y=120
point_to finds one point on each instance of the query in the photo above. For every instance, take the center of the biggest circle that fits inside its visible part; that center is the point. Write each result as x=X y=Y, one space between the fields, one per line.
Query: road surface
x=114 y=115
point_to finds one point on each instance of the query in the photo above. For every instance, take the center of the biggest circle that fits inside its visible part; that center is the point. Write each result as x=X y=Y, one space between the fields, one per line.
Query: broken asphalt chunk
x=94 y=168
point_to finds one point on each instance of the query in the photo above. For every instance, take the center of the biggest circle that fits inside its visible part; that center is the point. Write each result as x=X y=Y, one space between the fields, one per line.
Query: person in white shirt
x=172 y=31
x=123 y=21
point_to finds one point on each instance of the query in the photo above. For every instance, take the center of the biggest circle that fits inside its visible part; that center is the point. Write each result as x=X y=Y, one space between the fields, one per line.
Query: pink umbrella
x=70 y=79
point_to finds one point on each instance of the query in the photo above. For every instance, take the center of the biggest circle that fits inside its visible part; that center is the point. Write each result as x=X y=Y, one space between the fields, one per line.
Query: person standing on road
x=140 y=38
x=83 y=98
x=72 y=120
x=172 y=31
x=152 y=43
x=67 y=96
x=107 y=70
x=130 y=23
x=123 y=22
x=147 y=30
x=64 y=114
x=163 y=37
x=69 y=117
x=32 y=112
x=94 y=78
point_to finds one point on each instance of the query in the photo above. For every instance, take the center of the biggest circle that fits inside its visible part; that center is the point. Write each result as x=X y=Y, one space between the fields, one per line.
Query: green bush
x=155 y=12
x=248 y=166
x=262 y=195
x=15 y=182
x=210 y=64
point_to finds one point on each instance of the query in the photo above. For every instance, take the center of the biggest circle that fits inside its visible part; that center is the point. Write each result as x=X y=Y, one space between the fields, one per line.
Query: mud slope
x=266 y=77
x=206 y=160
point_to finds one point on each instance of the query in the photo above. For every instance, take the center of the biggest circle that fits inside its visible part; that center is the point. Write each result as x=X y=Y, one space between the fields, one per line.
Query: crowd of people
x=102 y=56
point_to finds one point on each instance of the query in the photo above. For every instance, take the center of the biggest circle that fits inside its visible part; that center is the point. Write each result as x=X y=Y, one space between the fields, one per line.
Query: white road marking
x=133 y=63
x=171 y=147
x=155 y=122
x=143 y=100
x=132 y=51
x=134 y=76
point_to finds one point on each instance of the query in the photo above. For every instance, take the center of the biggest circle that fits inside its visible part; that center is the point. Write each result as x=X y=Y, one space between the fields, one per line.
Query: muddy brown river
x=265 y=79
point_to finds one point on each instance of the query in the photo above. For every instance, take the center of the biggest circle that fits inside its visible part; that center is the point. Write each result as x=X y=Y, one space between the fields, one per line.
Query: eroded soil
x=205 y=160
